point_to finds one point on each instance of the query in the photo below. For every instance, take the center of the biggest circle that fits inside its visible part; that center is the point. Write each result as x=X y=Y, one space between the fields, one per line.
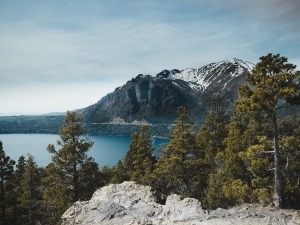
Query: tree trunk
x=75 y=182
x=277 y=181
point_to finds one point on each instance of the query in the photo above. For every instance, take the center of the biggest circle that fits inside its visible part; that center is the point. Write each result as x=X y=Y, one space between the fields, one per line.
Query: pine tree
x=89 y=179
x=210 y=141
x=63 y=177
x=212 y=134
x=215 y=196
x=31 y=193
x=6 y=172
x=289 y=130
x=138 y=161
x=130 y=157
x=274 y=84
x=20 y=167
x=56 y=195
x=236 y=179
x=178 y=169
x=260 y=165
x=119 y=173
x=106 y=174
x=17 y=210
x=144 y=160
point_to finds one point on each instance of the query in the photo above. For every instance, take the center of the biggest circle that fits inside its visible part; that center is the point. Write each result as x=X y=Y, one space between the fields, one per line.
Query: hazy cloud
x=62 y=46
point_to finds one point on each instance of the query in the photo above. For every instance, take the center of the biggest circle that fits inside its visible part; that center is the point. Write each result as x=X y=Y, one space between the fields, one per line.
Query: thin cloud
x=73 y=43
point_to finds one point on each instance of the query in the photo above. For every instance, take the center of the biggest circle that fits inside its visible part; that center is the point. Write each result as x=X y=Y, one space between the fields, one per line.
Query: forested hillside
x=248 y=156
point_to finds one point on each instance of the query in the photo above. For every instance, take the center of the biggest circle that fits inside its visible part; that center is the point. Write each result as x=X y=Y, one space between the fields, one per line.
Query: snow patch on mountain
x=200 y=79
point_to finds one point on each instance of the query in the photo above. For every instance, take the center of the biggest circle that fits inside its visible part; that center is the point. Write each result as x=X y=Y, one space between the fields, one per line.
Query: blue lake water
x=107 y=150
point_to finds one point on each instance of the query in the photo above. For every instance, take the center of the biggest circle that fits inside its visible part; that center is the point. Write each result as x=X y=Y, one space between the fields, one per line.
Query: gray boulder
x=130 y=203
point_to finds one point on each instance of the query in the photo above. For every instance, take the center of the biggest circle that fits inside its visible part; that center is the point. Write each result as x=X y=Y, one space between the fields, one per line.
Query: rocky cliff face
x=131 y=203
x=144 y=97
x=156 y=98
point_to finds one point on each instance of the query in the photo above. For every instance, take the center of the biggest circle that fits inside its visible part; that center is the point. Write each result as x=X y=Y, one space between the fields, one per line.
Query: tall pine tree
x=210 y=141
x=31 y=193
x=6 y=172
x=144 y=160
x=237 y=184
x=212 y=134
x=139 y=160
x=63 y=174
x=274 y=84
x=289 y=130
x=129 y=158
x=178 y=169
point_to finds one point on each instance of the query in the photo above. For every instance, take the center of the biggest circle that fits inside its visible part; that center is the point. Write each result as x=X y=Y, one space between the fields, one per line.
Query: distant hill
x=30 y=124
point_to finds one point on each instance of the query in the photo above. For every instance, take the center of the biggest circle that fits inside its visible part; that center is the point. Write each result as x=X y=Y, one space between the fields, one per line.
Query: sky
x=59 y=55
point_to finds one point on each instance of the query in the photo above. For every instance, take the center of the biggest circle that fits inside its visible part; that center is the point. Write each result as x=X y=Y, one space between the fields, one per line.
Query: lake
x=107 y=150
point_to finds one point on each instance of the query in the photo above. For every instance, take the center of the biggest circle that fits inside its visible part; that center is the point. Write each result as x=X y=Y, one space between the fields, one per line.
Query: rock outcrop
x=131 y=203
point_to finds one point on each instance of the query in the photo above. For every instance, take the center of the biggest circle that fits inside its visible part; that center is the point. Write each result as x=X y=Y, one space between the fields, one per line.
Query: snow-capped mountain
x=156 y=98
x=200 y=79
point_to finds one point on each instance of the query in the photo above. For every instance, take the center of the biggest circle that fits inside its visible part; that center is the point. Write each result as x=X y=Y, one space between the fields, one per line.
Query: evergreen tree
x=6 y=172
x=63 y=177
x=237 y=179
x=210 y=141
x=138 y=161
x=31 y=193
x=56 y=195
x=245 y=131
x=106 y=174
x=215 y=196
x=16 y=191
x=289 y=130
x=89 y=179
x=260 y=165
x=178 y=169
x=274 y=84
x=143 y=160
x=119 y=173
x=129 y=158
x=20 y=167
x=212 y=134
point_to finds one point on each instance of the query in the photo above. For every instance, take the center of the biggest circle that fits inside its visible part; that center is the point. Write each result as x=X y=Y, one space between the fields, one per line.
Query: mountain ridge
x=155 y=98
x=151 y=99
x=204 y=75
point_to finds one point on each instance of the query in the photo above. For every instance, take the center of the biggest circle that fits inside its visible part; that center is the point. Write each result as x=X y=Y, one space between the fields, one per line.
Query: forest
x=245 y=155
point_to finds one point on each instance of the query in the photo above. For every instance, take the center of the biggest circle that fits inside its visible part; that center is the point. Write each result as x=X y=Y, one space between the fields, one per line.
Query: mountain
x=156 y=98
x=147 y=99
x=221 y=74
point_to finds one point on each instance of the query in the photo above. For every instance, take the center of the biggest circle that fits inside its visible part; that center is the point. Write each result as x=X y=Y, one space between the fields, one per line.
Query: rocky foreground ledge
x=131 y=203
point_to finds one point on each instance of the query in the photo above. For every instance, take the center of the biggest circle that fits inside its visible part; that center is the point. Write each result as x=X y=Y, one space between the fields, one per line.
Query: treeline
x=125 y=129
x=248 y=156
x=30 y=124
x=51 y=124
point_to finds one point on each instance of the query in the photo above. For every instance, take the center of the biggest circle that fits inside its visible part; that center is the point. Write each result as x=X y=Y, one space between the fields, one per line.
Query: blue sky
x=62 y=55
